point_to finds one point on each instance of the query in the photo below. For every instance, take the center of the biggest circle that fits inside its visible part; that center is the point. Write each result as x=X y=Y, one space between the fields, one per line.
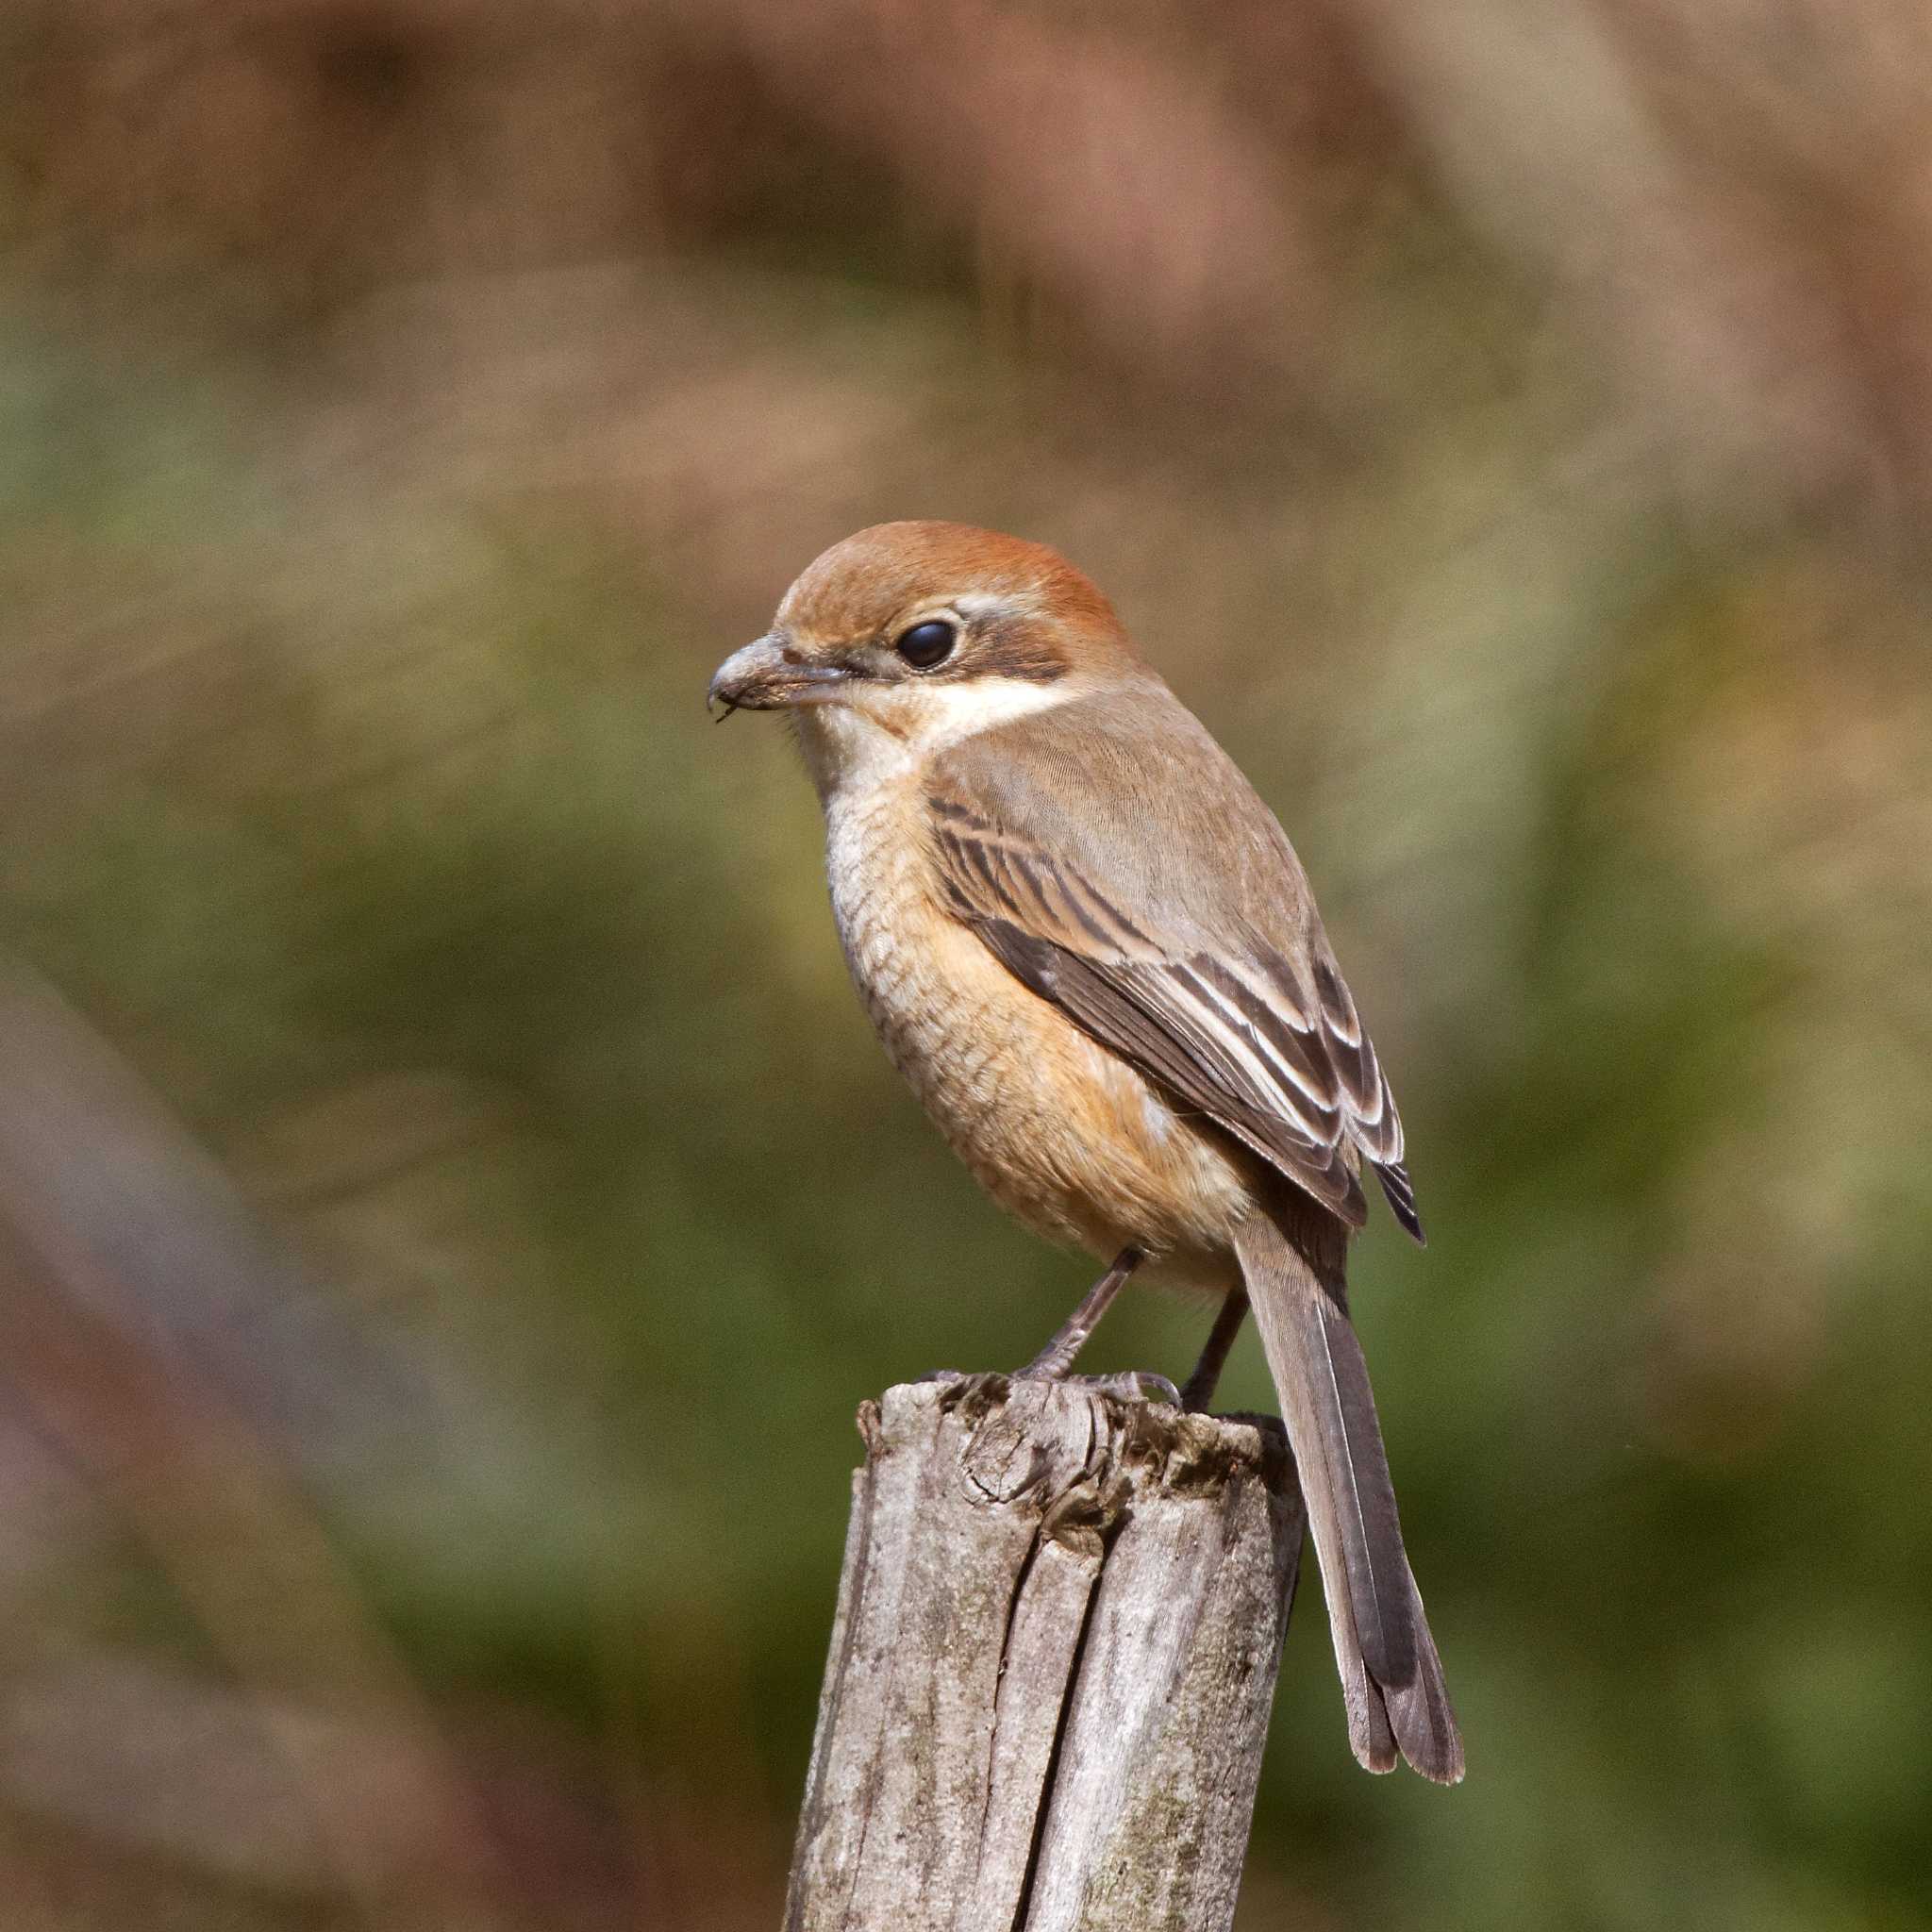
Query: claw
x=1126 y=1385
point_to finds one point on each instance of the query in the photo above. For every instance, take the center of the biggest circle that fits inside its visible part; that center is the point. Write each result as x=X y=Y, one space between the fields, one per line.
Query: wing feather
x=1228 y=1027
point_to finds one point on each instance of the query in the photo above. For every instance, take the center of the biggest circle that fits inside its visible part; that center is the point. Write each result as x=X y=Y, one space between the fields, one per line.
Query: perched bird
x=1092 y=950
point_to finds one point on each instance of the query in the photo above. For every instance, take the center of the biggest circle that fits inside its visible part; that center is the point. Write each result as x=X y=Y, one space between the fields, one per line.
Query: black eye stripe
x=928 y=643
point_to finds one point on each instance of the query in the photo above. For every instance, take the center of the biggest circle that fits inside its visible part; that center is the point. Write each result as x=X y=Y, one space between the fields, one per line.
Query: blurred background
x=450 y=1203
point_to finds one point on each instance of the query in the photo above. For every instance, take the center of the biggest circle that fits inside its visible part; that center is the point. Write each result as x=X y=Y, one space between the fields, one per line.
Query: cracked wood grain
x=1051 y=1667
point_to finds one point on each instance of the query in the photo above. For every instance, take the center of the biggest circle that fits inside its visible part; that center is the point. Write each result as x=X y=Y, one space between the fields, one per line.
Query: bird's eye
x=927 y=644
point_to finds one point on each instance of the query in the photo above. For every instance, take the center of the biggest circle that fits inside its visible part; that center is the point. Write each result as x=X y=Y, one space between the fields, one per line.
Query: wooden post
x=1052 y=1666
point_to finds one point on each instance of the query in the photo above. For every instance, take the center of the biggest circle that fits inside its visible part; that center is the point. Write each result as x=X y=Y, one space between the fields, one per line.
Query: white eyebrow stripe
x=996 y=604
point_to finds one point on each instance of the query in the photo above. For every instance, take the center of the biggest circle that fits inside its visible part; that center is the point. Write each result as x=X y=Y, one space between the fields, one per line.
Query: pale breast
x=1061 y=1132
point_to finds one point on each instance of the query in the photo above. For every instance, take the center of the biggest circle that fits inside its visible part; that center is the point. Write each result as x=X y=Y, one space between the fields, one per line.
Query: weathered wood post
x=1051 y=1671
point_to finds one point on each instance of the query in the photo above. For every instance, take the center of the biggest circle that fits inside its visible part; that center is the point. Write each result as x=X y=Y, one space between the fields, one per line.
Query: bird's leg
x=1198 y=1391
x=1054 y=1361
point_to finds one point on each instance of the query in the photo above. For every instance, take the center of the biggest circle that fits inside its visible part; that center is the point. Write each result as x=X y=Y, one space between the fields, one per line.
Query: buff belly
x=1062 y=1133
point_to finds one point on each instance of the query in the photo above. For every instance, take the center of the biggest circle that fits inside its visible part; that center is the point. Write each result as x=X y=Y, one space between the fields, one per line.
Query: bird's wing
x=1186 y=941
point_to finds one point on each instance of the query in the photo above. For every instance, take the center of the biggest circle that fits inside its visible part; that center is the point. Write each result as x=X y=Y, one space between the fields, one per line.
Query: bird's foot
x=1126 y=1385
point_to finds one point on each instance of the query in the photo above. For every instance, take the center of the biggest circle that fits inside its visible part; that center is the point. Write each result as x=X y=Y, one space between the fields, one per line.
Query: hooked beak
x=768 y=675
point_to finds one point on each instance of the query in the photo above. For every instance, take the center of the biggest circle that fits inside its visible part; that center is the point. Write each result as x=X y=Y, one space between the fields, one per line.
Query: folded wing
x=1211 y=1007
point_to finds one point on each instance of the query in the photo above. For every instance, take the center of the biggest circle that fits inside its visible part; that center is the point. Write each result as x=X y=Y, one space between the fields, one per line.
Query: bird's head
x=924 y=632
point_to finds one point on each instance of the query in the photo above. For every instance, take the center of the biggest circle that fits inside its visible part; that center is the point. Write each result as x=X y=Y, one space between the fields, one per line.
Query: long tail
x=1392 y=1678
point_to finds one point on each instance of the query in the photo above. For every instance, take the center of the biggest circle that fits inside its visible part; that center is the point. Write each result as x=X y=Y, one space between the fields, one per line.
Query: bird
x=1088 y=946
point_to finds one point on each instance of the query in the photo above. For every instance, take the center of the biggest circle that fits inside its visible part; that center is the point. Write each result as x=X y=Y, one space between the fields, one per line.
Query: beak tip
x=763 y=677
x=718 y=692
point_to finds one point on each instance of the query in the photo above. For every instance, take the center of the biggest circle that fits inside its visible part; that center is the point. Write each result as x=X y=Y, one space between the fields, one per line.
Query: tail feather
x=1420 y=1712
x=1392 y=1678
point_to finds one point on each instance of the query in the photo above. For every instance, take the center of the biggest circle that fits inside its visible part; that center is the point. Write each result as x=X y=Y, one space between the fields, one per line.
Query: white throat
x=853 y=747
